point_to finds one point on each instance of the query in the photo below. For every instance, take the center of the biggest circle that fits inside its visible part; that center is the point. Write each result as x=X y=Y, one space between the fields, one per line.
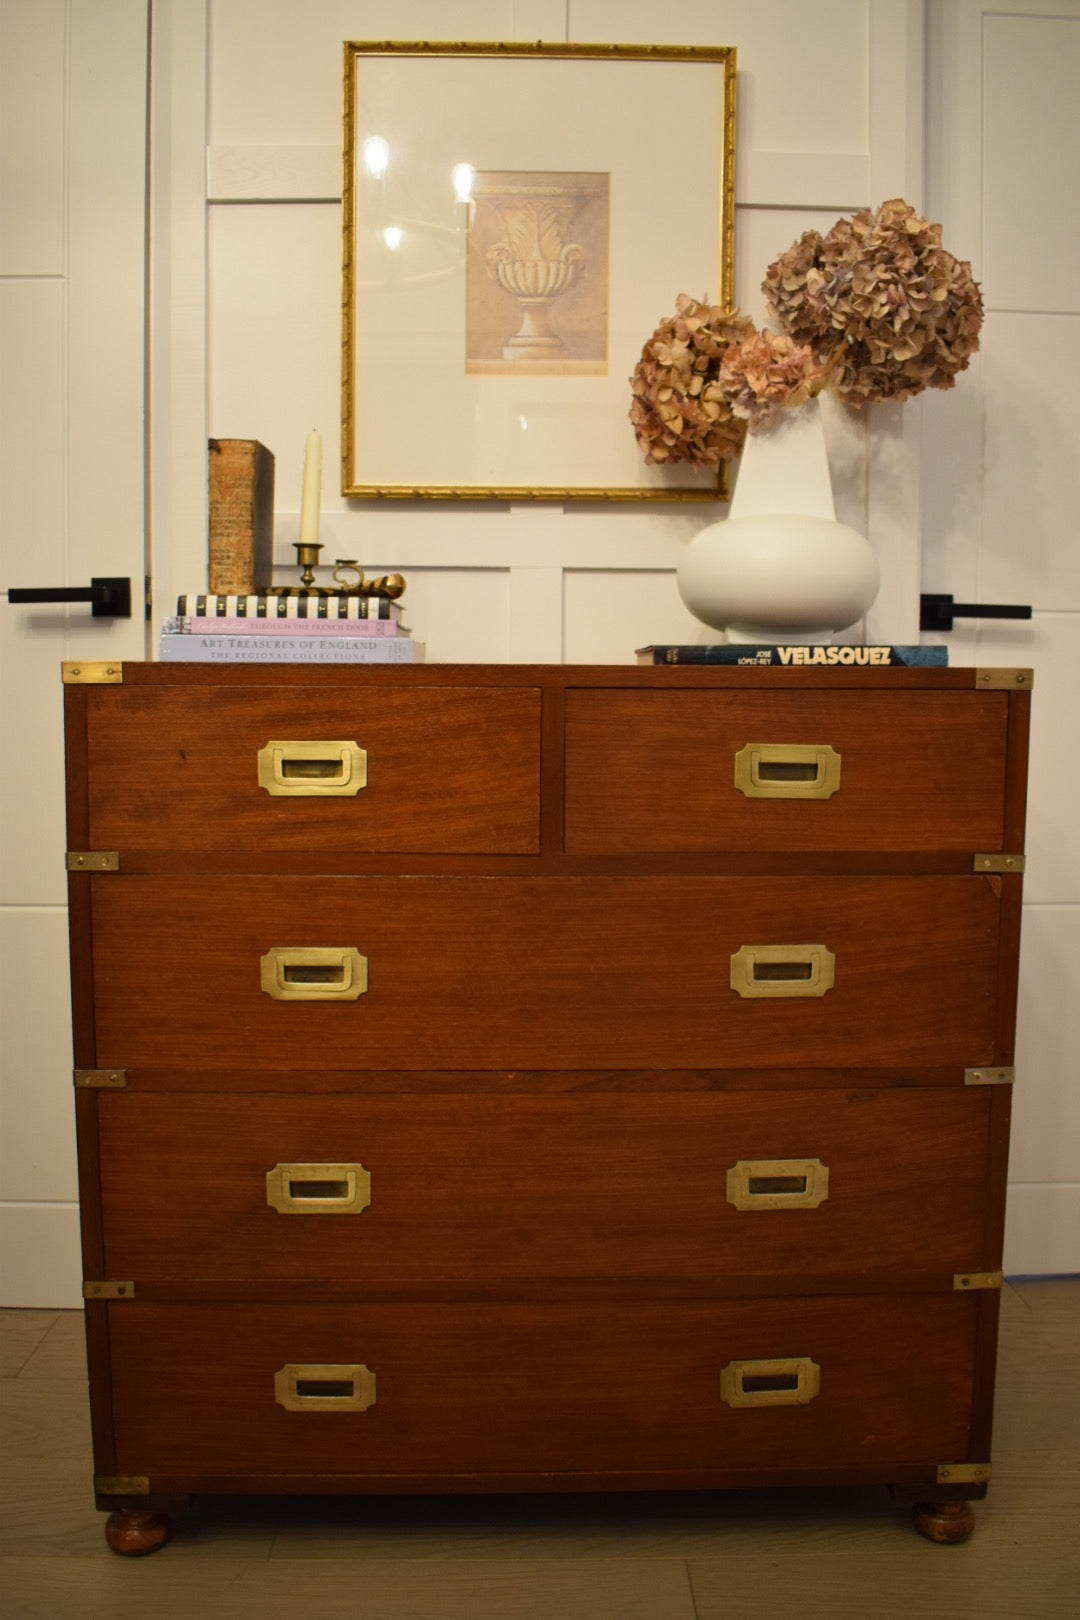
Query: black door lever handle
x=938 y=612
x=108 y=598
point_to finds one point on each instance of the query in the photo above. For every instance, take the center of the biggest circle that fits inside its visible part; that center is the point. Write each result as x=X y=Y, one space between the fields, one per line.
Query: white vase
x=780 y=567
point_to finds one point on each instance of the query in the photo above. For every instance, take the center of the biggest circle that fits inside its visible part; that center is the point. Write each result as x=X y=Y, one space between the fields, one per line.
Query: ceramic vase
x=779 y=567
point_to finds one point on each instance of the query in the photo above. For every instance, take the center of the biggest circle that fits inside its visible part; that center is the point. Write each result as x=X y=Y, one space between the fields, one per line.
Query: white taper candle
x=312 y=496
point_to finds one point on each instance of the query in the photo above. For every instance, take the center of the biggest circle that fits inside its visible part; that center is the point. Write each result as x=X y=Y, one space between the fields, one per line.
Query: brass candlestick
x=390 y=585
x=307 y=557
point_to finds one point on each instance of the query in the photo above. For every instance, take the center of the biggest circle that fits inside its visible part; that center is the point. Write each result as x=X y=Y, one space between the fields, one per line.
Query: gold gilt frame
x=464 y=377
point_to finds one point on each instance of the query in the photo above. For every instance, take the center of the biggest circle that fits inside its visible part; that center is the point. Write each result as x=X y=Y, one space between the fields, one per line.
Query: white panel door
x=72 y=278
x=1001 y=489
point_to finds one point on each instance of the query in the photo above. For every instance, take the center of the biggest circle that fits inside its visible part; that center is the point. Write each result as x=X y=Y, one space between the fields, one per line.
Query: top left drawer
x=446 y=770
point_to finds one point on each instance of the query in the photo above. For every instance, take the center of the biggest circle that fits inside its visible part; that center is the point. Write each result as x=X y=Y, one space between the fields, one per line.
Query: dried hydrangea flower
x=765 y=374
x=785 y=287
x=677 y=411
x=897 y=311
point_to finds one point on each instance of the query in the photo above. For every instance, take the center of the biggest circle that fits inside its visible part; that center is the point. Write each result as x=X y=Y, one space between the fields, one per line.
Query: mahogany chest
x=497 y=1078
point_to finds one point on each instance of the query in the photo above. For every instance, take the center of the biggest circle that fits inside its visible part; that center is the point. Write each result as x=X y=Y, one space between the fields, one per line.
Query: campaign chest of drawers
x=498 y=1078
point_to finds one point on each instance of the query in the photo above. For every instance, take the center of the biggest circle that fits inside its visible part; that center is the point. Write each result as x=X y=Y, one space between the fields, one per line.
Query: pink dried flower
x=785 y=287
x=765 y=374
x=880 y=294
x=677 y=410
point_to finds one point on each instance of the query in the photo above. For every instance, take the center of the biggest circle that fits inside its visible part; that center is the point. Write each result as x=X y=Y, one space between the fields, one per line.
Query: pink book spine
x=213 y=625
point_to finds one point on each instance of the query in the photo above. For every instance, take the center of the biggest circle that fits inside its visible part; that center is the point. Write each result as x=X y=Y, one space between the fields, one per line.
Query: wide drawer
x=557 y=973
x=243 y=1391
x=447 y=769
x=796 y=1189
x=727 y=770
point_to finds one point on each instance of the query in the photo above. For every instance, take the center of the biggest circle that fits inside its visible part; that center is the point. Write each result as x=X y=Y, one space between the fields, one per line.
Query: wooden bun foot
x=131 y=1533
x=946 y=1522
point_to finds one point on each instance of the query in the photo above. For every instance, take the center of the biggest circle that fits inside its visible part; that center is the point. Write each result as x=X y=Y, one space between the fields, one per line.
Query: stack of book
x=291 y=628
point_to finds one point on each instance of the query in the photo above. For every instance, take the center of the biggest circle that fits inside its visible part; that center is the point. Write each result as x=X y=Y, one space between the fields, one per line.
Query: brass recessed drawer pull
x=782 y=970
x=324 y=1387
x=314 y=973
x=787 y=771
x=318 y=1189
x=793 y=1382
x=305 y=770
x=778 y=1184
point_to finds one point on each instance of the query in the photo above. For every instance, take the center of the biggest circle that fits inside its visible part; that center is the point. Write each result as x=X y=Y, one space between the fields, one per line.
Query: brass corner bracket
x=122 y=1484
x=87 y=672
x=1000 y=680
x=93 y=860
x=963 y=1473
x=1000 y=863
x=963 y=1281
x=111 y=1079
x=990 y=1077
x=108 y=1290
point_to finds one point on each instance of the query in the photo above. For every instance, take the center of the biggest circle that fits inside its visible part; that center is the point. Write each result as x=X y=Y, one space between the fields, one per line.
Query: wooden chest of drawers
x=542 y=1078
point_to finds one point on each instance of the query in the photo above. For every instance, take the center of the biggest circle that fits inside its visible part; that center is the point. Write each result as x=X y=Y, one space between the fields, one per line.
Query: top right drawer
x=699 y=770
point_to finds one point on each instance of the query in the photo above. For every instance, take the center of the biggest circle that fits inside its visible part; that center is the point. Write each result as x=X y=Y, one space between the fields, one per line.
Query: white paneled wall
x=1000 y=478
x=37 y=1180
x=72 y=268
x=272 y=314
x=1031 y=446
x=244 y=260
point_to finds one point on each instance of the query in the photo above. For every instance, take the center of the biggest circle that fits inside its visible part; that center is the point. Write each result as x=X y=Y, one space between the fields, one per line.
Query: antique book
x=190 y=624
x=297 y=604
x=241 y=527
x=821 y=657
x=213 y=648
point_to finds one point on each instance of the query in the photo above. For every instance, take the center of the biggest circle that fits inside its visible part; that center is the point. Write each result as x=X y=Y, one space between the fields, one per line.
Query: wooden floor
x=785 y=1555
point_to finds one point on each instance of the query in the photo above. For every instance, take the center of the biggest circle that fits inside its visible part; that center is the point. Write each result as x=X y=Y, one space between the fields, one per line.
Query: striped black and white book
x=287 y=605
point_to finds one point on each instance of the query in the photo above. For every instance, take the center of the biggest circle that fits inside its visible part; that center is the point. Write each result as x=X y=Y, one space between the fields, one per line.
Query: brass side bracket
x=963 y=1473
x=114 y=1079
x=122 y=1484
x=989 y=1077
x=1000 y=863
x=93 y=860
x=997 y=680
x=88 y=673
x=964 y=1280
x=108 y=1290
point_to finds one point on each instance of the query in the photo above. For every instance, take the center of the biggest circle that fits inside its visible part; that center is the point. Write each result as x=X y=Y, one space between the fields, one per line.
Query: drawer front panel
x=453 y=770
x=548 y=973
x=656 y=771
x=466 y=1190
x=537 y=1389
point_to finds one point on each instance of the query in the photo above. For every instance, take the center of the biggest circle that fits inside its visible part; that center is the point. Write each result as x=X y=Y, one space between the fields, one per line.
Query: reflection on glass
x=375 y=155
x=392 y=237
x=463 y=177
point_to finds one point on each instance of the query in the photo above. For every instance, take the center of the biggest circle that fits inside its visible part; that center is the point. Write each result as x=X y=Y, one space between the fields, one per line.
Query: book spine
x=241 y=515
x=798 y=656
x=214 y=626
x=216 y=649
x=293 y=605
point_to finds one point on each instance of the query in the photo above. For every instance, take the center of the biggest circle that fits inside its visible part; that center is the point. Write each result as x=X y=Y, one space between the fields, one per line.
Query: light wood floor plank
x=116 y=1589
x=20 y=1334
x=61 y=1352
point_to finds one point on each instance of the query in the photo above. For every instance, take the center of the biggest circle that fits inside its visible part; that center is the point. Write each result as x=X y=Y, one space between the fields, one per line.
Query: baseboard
x=40 y=1256
x=1042 y=1230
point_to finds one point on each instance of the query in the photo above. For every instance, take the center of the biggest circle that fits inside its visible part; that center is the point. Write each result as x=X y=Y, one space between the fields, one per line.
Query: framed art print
x=517 y=219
